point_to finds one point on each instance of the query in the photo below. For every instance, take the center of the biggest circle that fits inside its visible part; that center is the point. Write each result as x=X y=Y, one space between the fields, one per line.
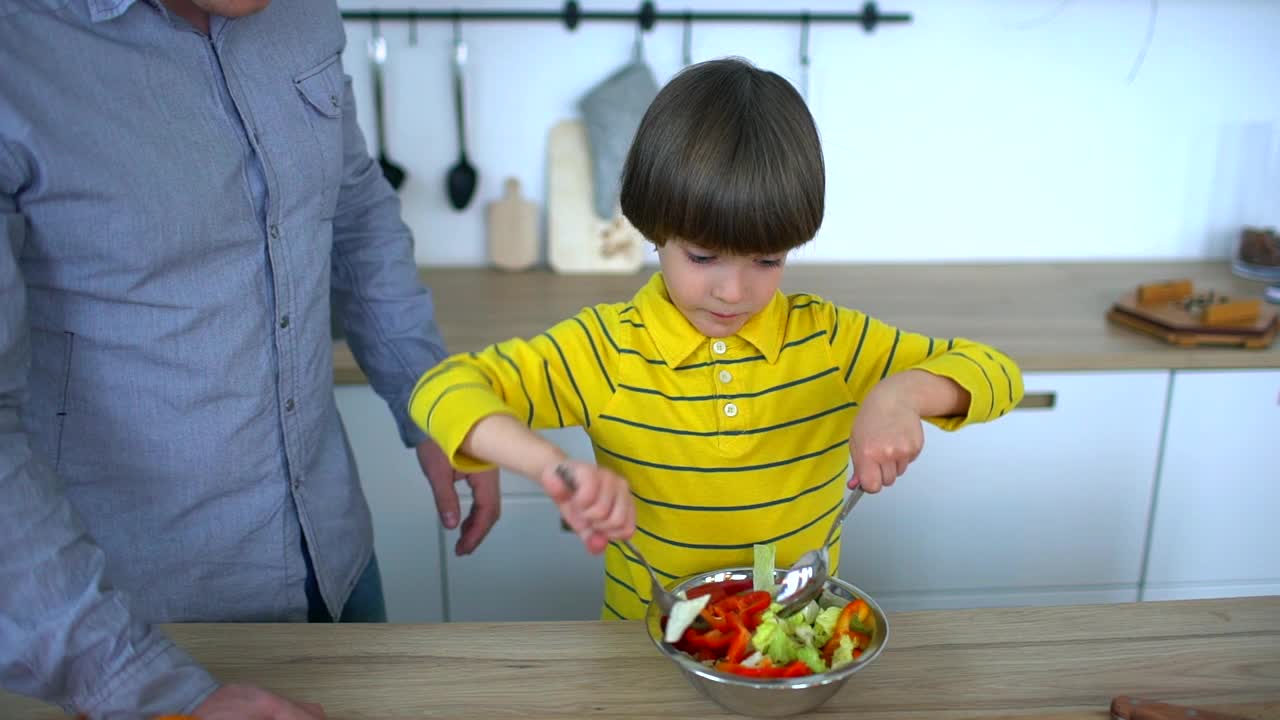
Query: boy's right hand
x=596 y=502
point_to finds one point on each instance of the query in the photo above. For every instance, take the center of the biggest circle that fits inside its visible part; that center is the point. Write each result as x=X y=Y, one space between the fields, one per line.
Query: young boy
x=731 y=409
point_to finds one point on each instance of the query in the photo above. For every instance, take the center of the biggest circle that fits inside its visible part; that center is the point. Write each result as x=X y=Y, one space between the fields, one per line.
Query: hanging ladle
x=461 y=181
x=378 y=52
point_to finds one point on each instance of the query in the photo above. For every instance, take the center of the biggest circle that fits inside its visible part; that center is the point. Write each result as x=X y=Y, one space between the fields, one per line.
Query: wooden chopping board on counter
x=1183 y=315
x=579 y=240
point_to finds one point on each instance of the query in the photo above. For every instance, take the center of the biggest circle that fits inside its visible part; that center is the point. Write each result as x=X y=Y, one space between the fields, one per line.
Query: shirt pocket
x=50 y=392
x=322 y=89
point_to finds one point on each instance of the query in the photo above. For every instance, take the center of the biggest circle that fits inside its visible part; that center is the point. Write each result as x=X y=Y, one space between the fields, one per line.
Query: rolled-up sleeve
x=65 y=636
x=388 y=314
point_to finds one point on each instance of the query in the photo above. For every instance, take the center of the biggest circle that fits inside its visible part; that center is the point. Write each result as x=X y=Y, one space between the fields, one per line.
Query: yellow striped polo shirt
x=726 y=442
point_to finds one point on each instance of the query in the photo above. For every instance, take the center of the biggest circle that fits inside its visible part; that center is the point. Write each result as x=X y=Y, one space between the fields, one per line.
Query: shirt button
x=296 y=484
x=288 y=405
x=731 y=410
x=275 y=232
x=284 y=322
x=725 y=376
x=718 y=347
x=333 y=100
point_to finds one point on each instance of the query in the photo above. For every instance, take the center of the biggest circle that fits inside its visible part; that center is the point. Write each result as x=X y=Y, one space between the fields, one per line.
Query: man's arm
x=390 y=321
x=65 y=636
x=388 y=314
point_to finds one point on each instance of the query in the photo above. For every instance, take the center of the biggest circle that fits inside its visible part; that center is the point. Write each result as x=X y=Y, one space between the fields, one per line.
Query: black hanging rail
x=646 y=16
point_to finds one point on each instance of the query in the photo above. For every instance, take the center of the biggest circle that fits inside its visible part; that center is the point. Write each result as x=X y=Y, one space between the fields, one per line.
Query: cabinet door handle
x=1038 y=401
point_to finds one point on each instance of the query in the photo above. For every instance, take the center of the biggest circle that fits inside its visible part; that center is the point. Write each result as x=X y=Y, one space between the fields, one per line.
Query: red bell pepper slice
x=795 y=668
x=855 y=609
x=717 y=617
x=711 y=639
x=860 y=640
x=740 y=645
x=756 y=601
x=720 y=590
x=752 y=606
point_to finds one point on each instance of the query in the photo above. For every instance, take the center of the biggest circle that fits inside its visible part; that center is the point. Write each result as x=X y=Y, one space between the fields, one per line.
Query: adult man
x=181 y=182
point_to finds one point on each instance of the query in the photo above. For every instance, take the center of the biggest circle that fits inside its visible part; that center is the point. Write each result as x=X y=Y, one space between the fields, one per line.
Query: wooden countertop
x=1047 y=316
x=1064 y=663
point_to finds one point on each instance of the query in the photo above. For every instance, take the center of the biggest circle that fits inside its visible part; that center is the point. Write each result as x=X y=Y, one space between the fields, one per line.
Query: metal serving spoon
x=806 y=578
x=663 y=597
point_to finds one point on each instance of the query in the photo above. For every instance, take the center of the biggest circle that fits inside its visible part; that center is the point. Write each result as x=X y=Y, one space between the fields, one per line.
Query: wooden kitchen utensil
x=1124 y=707
x=580 y=241
x=513 y=229
x=1176 y=313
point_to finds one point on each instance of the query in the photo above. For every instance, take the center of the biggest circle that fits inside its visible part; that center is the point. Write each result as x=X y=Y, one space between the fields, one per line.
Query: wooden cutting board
x=580 y=241
x=513 y=229
x=1183 y=317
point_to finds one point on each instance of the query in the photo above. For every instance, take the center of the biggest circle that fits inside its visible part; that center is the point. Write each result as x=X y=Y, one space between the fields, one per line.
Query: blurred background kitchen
x=980 y=130
x=1102 y=133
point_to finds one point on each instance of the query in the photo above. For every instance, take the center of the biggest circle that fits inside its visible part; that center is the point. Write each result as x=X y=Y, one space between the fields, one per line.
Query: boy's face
x=718 y=293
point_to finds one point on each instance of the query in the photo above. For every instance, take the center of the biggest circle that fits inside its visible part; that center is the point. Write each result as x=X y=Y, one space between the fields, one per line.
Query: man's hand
x=486 y=503
x=241 y=702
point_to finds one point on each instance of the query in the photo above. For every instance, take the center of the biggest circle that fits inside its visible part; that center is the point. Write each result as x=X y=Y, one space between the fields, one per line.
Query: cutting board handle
x=1131 y=708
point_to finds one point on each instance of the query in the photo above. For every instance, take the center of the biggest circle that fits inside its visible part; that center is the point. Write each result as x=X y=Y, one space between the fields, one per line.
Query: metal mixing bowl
x=778 y=697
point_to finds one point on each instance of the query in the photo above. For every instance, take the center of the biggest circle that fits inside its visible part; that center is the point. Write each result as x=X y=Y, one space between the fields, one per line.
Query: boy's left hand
x=887 y=436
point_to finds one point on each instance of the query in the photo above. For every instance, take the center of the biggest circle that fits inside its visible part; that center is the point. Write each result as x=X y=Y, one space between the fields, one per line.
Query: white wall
x=983 y=130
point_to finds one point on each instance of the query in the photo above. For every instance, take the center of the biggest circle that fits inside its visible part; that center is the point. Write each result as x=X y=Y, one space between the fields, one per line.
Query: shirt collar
x=103 y=10
x=677 y=338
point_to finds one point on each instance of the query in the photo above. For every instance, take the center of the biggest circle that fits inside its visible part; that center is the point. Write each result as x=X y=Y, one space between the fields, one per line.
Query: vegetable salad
x=733 y=627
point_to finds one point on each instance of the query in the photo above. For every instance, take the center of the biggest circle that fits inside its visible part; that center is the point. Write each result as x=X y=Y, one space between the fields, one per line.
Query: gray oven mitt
x=611 y=113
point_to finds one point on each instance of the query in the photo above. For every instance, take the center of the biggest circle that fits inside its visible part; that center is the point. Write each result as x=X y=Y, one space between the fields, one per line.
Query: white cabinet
x=405 y=525
x=1044 y=506
x=1049 y=505
x=528 y=568
x=1216 y=531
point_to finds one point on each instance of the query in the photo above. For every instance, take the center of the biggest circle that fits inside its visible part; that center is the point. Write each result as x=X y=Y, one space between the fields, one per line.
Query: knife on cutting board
x=1125 y=707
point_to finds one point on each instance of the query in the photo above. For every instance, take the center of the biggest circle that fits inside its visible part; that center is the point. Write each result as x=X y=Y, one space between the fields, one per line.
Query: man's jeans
x=365 y=604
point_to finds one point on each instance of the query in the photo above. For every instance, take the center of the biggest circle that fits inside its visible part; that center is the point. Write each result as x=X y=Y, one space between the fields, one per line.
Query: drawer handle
x=1038 y=401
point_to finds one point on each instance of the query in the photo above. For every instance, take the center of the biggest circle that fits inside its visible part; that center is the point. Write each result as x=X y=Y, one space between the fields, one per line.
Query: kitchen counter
x=1060 y=663
x=1047 y=316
